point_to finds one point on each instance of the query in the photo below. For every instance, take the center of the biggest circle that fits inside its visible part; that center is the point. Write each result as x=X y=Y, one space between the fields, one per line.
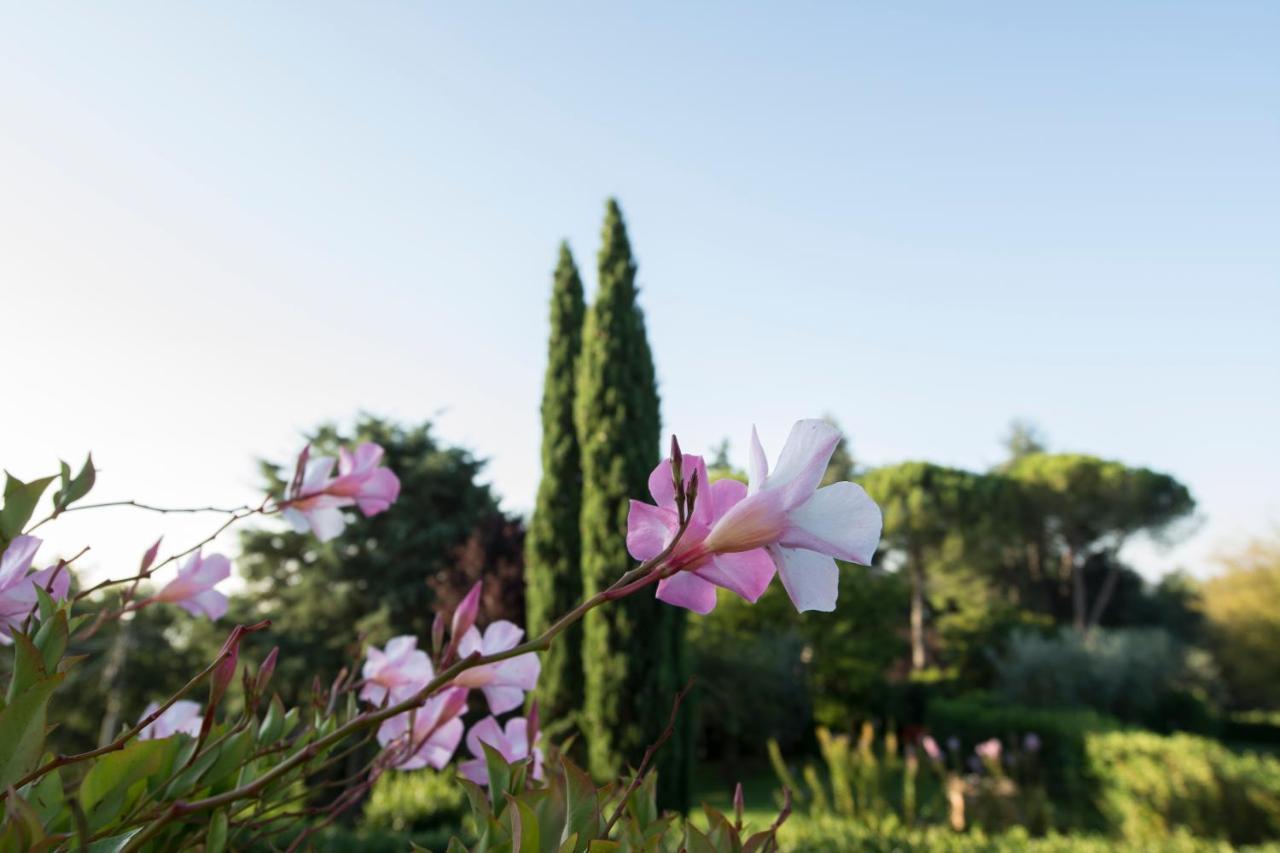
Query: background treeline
x=998 y=604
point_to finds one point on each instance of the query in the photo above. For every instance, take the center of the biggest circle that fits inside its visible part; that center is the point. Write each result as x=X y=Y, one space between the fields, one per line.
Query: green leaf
x=45 y=602
x=22 y=730
x=20 y=501
x=216 y=840
x=28 y=665
x=570 y=844
x=46 y=797
x=456 y=846
x=74 y=489
x=525 y=836
x=695 y=841
x=499 y=774
x=22 y=826
x=273 y=723
x=114 y=844
x=230 y=757
x=114 y=779
x=601 y=845
x=51 y=640
x=582 y=804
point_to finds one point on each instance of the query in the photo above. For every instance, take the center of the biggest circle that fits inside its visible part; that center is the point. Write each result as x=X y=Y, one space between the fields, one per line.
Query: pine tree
x=633 y=650
x=553 y=573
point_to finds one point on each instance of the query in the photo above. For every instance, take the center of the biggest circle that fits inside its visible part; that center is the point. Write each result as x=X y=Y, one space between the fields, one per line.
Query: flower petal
x=486 y=731
x=501 y=636
x=811 y=579
x=17 y=559
x=476 y=770
x=207 y=602
x=747 y=572
x=326 y=522
x=803 y=460
x=521 y=671
x=687 y=590
x=840 y=520
x=502 y=699
x=757 y=464
x=649 y=529
x=723 y=495
x=379 y=492
x=661 y=487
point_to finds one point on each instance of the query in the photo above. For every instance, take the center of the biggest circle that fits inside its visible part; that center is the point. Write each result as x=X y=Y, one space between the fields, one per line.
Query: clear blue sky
x=221 y=224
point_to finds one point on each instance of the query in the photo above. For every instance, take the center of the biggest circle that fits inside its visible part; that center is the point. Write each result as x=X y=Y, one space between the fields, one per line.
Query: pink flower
x=650 y=530
x=504 y=683
x=182 y=717
x=192 y=589
x=399 y=672
x=316 y=500
x=802 y=527
x=513 y=744
x=988 y=750
x=931 y=748
x=426 y=736
x=18 y=584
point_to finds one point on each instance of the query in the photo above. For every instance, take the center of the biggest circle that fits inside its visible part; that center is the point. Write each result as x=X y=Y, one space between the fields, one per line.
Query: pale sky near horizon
x=222 y=224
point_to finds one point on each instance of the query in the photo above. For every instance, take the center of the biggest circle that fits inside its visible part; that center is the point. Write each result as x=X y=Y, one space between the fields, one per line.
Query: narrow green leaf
x=45 y=602
x=22 y=730
x=216 y=839
x=273 y=723
x=51 y=640
x=115 y=843
x=28 y=665
x=499 y=775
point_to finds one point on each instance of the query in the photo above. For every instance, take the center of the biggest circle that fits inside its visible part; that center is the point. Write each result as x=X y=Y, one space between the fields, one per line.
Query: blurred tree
x=1242 y=606
x=553 y=548
x=1086 y=506
x=384 y=575
x=928 y=510
x=633 y=652
x=1023 y=439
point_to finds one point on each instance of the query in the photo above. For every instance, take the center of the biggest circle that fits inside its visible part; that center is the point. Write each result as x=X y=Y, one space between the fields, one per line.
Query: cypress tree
x=633 y=650
x=553 y=574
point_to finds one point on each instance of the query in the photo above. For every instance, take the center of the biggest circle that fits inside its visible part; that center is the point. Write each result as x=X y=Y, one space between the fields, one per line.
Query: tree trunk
x=1079 y=603
x=918 y=656
x=1104 y=594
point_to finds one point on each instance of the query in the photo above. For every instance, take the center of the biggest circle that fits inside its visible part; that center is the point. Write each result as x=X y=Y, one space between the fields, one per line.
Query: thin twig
x=648 y=757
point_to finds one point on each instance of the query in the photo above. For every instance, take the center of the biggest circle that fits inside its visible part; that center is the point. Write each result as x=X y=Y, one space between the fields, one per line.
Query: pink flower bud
x=149 y=558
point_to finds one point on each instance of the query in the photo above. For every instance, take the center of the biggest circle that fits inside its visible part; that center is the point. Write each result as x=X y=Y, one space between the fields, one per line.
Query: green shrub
x=1143 y=676
x=415 y=801
x=1063 y=735
x=1148 y=785
x=825 y=834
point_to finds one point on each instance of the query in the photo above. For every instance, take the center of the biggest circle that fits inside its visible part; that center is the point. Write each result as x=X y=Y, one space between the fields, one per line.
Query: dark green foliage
x=633 y=651
x=553 y=573
x=384 y=575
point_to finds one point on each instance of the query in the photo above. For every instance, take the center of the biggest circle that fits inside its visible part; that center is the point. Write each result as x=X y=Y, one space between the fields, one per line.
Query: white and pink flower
x=193 y=588
x=18 y=584
x=512 y=743
x=504 y=683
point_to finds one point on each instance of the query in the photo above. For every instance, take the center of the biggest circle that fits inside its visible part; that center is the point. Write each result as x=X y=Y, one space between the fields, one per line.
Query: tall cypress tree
x=633 y=650
x=553 y=574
